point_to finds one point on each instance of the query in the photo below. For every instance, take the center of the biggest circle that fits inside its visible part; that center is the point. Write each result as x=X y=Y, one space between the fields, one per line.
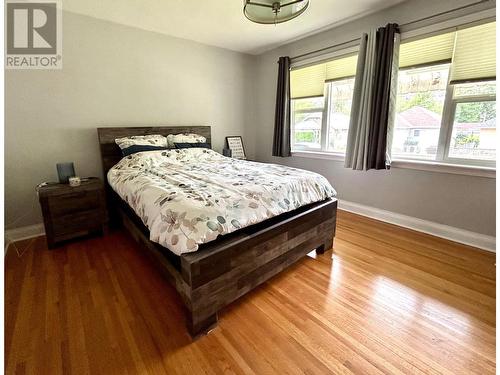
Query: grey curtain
x=370 y=128
x=357 y=137
x=391 y=118
x=281 y=141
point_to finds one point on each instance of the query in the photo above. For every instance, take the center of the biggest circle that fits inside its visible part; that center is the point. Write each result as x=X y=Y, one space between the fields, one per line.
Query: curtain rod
x=402 y=25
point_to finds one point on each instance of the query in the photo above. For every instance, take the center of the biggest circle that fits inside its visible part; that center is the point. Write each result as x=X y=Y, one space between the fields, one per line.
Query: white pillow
x=172 y=139
x=142 y=140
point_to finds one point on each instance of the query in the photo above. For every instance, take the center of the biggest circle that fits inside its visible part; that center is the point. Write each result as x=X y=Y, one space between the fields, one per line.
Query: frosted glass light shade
x=273 y=11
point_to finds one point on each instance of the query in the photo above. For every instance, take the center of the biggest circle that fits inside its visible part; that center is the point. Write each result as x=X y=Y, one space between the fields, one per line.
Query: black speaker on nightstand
x=65 y=171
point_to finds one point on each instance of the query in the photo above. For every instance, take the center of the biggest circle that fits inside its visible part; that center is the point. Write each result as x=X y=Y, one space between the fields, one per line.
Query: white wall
x=461 y=201
x=114 y=75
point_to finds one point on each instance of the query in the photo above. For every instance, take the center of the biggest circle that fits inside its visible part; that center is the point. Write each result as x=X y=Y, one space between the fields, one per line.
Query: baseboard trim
x=23 y=233
x=463 y=236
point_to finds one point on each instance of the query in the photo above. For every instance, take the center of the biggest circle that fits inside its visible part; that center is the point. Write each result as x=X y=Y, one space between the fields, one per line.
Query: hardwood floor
x=386 y=300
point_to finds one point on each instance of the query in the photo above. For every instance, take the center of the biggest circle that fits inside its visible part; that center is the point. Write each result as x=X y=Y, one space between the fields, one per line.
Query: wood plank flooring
x=386 y=301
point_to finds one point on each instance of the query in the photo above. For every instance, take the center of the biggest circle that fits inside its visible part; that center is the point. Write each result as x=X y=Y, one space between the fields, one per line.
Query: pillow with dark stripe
x=191 y=145
x=139 y=148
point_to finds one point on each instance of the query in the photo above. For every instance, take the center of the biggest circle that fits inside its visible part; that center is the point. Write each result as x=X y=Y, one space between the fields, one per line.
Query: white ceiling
x=221 y=23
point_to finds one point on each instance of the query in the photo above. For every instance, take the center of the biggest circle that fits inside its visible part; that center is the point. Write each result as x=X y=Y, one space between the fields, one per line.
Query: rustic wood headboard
x=111 y=153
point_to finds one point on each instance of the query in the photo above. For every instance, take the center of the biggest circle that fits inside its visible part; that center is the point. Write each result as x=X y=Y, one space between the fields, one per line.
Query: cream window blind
x=427 y=50
x=307 y=82
x=341 y=68
x=310 y=81
x=474 y=57
x=472 y=52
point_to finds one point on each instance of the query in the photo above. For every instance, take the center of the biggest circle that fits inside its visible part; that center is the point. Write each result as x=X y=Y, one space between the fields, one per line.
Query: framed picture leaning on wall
x=235 y=144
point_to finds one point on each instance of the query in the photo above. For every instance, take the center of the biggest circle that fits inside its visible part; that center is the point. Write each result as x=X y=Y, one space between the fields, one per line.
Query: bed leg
x=200 y=326
x=325 y=246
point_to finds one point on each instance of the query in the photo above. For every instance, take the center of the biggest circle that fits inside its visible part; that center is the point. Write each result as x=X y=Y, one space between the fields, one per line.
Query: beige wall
x=112 y=76
x=461 y=201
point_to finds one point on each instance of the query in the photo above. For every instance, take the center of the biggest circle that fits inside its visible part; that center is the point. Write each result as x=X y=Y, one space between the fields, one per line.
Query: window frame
x=438 y=158
x=448 y=122
x=324 y=138
x=324 y=117
x=330 y=84
x=292 y=124
x=446 y=127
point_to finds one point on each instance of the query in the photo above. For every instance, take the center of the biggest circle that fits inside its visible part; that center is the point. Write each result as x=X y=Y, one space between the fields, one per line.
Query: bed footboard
x=221 y=273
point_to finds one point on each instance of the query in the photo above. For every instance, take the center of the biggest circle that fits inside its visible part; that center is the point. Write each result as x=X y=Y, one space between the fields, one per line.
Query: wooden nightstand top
x=63 y=189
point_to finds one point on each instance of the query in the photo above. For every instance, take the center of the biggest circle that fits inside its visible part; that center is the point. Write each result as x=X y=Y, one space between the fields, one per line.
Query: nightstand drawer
x=75 y=202
x=78 y=221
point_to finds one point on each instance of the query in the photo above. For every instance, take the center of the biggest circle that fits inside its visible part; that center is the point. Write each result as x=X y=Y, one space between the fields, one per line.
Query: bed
x=211 y=271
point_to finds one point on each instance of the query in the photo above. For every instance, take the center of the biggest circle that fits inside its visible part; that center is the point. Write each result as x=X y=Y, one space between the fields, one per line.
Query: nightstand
x=70 y=212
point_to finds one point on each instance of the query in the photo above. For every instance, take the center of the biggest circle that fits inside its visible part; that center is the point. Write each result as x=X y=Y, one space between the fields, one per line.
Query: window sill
x=318 y=155
x=468 y=170
x=433 y=166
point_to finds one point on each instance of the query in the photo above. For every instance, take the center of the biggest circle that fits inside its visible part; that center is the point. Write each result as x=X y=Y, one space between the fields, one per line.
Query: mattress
x=188 y=197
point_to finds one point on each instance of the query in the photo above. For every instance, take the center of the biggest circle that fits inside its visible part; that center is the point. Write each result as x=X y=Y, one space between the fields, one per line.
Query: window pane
x=307 y=116
x=474 y=131
x=339 y=114
x=474 y=89
x=419 y=108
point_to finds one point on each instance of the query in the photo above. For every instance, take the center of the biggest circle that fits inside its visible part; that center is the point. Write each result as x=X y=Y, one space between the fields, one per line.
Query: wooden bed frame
x=225 y=269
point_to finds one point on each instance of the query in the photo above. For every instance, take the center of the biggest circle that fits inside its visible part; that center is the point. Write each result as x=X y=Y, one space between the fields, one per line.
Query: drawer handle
x=78 y=194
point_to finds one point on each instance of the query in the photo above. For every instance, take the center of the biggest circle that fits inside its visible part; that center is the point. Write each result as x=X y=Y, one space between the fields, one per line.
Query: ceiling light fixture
x=274 y=11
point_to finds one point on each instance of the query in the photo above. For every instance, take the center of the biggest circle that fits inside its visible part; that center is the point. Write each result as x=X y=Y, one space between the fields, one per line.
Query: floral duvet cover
x=188 y=197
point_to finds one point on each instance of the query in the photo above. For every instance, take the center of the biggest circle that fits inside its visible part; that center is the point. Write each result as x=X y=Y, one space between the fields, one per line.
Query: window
x=445 y=108
x=419 y=111
x=307 y=117
x=321 y=105
x=473 y=135
x=339 y=100
x=445 y=105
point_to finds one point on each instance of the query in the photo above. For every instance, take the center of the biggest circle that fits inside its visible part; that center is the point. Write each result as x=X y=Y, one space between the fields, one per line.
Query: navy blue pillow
x=190 y=145
x=138 y=148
